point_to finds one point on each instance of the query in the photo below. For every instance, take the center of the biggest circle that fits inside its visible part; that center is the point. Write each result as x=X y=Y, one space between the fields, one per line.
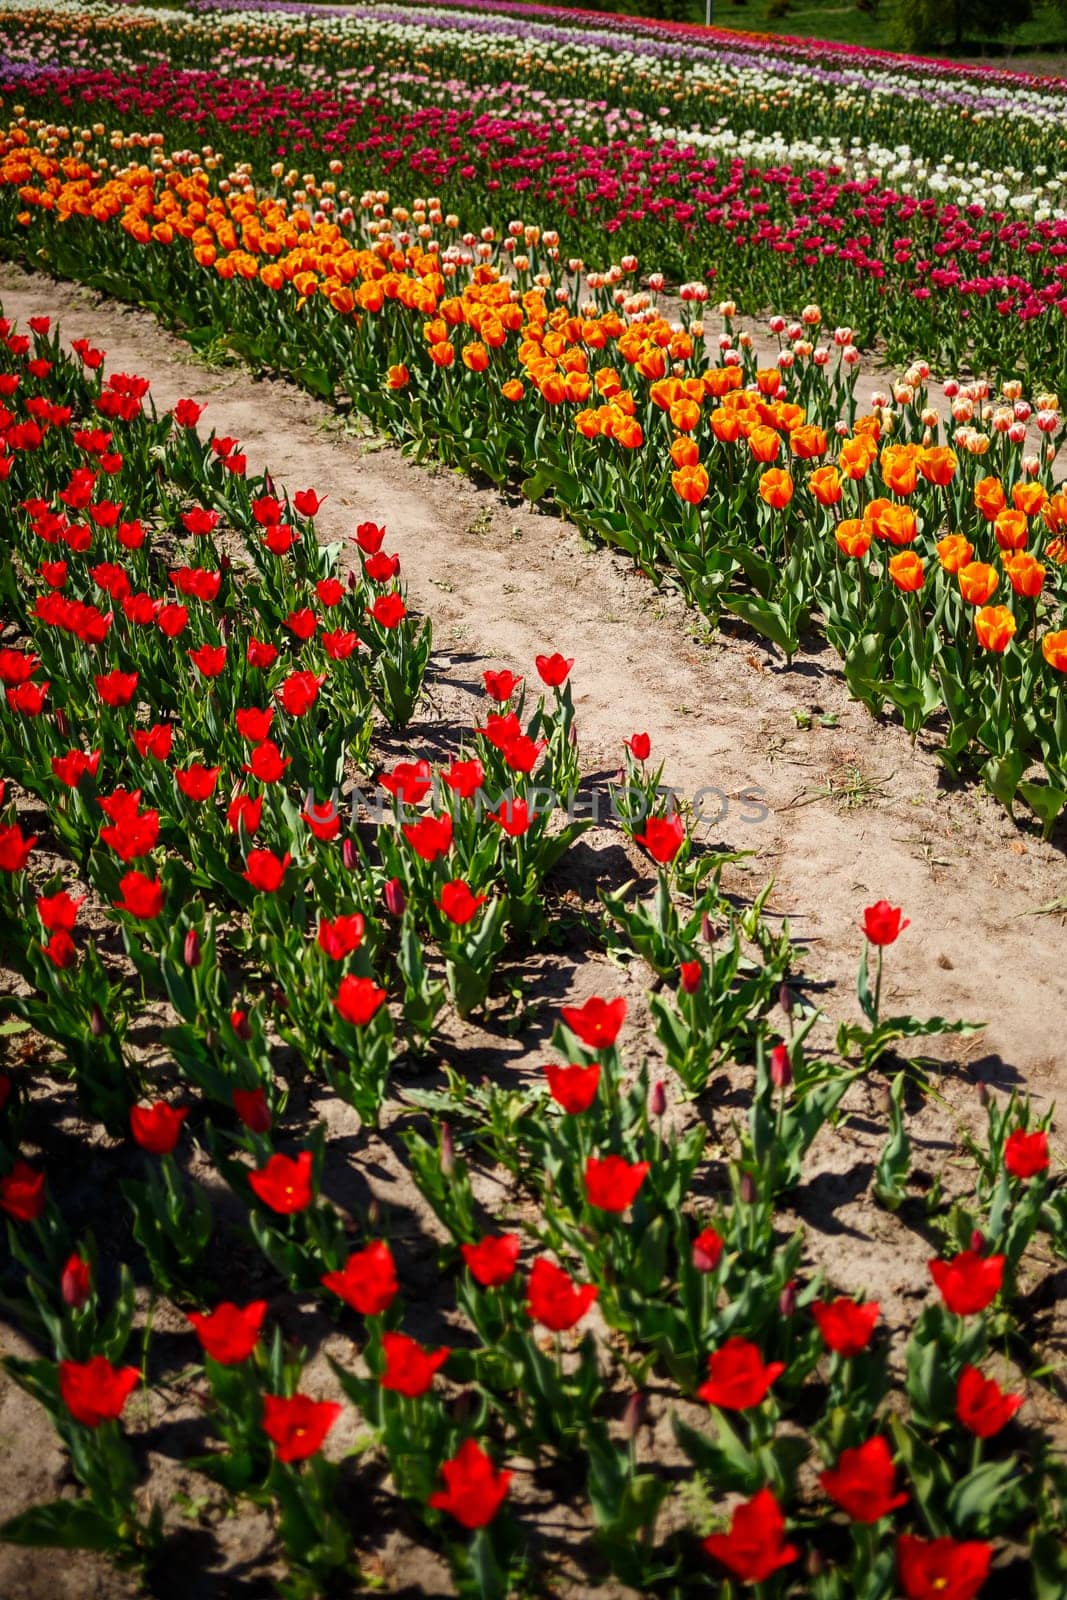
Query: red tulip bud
x=240 y=1024
x=97 y=1025
x=785 y=999
x=191 y=950
x=75 y=1284
x=781 y=1067
x=748 y=1189
x=657 y=1104
x=62 y=723
x=395 y=899
x=633 y=1416
x=977 y=1242
x=787 y=1300
x=707 y=929
x=448 y=1151
x=984 y=1096
x=348 y=854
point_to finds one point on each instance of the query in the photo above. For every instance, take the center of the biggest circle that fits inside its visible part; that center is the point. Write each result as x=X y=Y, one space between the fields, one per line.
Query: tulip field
x=413 y=1178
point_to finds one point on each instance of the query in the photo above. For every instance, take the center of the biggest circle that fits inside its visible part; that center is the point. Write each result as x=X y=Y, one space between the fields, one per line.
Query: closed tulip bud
x=785 y=999
x=348 y=854
x=62 y=723
x=97 y=1025
x=211 y=1039
x=225 y=628
x=787 y=1300
x=395 y=899
x=633 y=1416
x=984 y=1096
x=707 y=929
x=977 y=1241
x=781 y=1067
x=814 y=1564
x=75 y=1284
x=448 y=1151
x=658 y=1102
x=748 y=1189
x=353 y=582
x=191 y=948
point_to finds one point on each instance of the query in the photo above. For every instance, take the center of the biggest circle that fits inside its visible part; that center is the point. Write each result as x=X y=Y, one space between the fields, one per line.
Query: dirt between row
x=840 y=810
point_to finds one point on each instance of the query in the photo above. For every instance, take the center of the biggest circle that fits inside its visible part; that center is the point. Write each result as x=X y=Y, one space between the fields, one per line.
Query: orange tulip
x=906 y=571
x=1010 y=529
x=853 y=538
x=989 y=498
x=891 y=521
x=475 y=357
x=1054 y=650
x=1055 y=514
x=629 y=433
x=954 y=552
x=825 y=485
x=685 y=415
x=938 y=465
x=978 y=582
x=587 y=424
x=608 y=382
x=995 y=627
x=684 y=452
x=512 y=390
x=1026 y=574
x=719 y=381
x=807 y=443
x=398 y=377
x=764 y=444
x=442 y=354
x=1029 y=497
x=776 y=488
x=768 y=381
x=726 y=426
x=855 y=457
x=690 y=483
x=899 y=468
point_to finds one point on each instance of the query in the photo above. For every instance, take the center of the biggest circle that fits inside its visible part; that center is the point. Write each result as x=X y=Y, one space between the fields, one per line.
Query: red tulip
x=244 y=812
x=388 y=610
x=266 y=763
x=941 y=1569
x=1026 y=1154
x=663 y=837
x=639 y=746
x=156 y=1128
x=296 y=1425
x=465 y=778
x=597 y=1022
x=707 y=1250
x=251 y=1106
x=611 y=1184
x=209 y=659
x=882 y=923
x=307 y=502
x=409 y=1369
x=493 y=1260
x=15 y=848
x=22 y=1192
x=553 y=670
x=59 y=911
x=116 y=688
x=284 y=1184
x=253 y=724
x=500 y=686
x=94 y=1391
x=691 y=976
x=574 y=1087
x=554 y=1299
x=75 y=1283
x=197 y=782
x=473 y=1491
x=981 y=1404
x=969 y=1282
x=755 y=1546
x=430 y=837
x=862 y=1482
x=368 y=1281
x=358 y=999
x=141 y=897
x=457 y=902
x=264 y=870
x=409 y=781
x=845 y=1325
x=187 y=413
x=737 y=1377
x=230 y=1333
x=341 y=936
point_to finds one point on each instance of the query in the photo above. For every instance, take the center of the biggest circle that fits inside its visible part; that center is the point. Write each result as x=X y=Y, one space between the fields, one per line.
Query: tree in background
x=922 y=24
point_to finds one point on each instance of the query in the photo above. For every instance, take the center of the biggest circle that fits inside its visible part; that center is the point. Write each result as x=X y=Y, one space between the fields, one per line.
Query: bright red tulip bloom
x=981 y=1404
x=942 y=1569
x=284 y=1184
x=691 y=976
x=846 y=1326
x=209 y=660
x=266 y=763
x=94 y=1391
x=553 y=670
x=554 y=1299
x=457 y=902
x=409 y=781
x=253 y=724
x=1026 y=1154
x=73 y=767
x=116 y=688
x=430 y=837
x=597 y=1022
x=493 y=1260
x=969 y=1282
x=358 y=999
x=22 y=1192
x=612 y=1184
x=156 y=1128
x=141 y=896
x=296 y=1425
x=574 y=1087
x=323 y=821
x=500 y=686
x=244 y=812
x=639 y=746
x=708 y=1247
x=264 y=870
x=75 y=1282
x=663 y=837
x=341 y=936
x=59 y=911
x=197 y=782
x=755 y=1547
x=521 y=753
x=863 y=1482
x=737 y=1377
x=409 y=1369
x=307 y=502
x=389 y=609
x=513 y=817
x=368 y=1280
x=300 y=690
x=464 y=778
x=230 y=1333
x=473 y=1491
x=15 y=848
x=882 y=923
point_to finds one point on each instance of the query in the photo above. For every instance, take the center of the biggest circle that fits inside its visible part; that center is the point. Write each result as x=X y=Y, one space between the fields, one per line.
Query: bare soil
x=854 y=811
